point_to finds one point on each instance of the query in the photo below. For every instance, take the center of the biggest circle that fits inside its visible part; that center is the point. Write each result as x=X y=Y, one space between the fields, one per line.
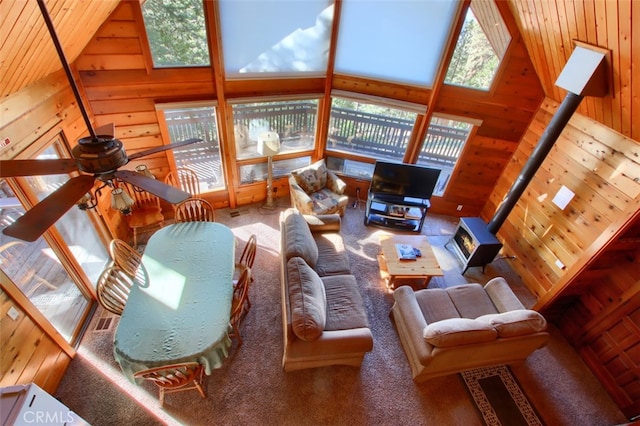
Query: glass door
x=57 y=273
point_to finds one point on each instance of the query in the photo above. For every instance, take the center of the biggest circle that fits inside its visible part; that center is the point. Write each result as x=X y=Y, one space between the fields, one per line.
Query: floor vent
x=104 y=324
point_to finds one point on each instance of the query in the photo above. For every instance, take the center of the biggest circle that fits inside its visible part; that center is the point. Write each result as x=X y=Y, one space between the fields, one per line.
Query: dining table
x=178 y=309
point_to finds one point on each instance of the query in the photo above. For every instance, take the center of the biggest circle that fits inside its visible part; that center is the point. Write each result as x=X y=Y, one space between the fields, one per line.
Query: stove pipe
x=568 y=106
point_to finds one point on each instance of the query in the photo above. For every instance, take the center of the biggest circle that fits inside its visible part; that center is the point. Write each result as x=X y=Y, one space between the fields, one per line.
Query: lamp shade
x=144 y=170
x=120 y=200
x=268 y=144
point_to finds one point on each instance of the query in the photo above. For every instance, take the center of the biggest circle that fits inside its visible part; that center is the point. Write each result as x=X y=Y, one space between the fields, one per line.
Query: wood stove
x=474 y=244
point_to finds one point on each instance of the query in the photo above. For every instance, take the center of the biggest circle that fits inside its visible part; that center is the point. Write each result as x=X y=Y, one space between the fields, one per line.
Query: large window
x=176 y=32
x=185 y=122
x=481 y=46
x=293 y=120
x=37 y=269
x=442 y=147
x=399 y=41
x=368 y=129
x=277 y=37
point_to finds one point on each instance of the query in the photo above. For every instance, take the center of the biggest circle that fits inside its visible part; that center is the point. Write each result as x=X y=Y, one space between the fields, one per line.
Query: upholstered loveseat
x=323 y=314
x=315 y=190
x=445 y=331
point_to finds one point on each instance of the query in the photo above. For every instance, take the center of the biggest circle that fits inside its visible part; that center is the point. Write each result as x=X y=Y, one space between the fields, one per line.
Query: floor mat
x=499 y=397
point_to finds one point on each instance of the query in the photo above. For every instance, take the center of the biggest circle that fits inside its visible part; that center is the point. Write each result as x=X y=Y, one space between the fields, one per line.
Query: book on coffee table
x=405 y=252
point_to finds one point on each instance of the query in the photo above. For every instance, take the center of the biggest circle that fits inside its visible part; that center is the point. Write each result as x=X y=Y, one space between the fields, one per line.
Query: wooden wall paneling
x=31 y=55
x=611 y=351
x=525 y=19
x=28 y=14
x=401 y=92
x=27 y=353
x=549 y=29
x=604 y=194
x=634 y=108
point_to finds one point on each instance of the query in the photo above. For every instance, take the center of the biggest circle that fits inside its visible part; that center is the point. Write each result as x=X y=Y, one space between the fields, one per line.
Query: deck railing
x=354 y=131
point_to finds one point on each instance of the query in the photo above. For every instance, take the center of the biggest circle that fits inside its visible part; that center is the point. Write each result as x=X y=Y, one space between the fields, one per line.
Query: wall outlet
x=459 y=207
x=13 y=313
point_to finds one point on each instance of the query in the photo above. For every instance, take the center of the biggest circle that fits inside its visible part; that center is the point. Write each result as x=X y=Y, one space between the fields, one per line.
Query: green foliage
x=176 y=31
x=474 y=62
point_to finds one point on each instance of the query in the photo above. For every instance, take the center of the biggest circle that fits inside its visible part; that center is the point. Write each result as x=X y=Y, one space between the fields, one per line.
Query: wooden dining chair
x=175 y=378
x=125 y=256
x=113 y=288
x=195 y=210
x=185 y=179
x=240 y=304
x=246 y=260
x=146 y=213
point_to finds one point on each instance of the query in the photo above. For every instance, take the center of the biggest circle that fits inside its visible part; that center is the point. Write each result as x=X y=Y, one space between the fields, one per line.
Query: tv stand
x=394 y=211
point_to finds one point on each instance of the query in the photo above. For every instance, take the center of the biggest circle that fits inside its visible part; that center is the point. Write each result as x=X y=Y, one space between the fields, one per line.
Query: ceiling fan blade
x=162 y=190
x=107 y=130
x=40 y=217
x=163 y=148
x=13 y=168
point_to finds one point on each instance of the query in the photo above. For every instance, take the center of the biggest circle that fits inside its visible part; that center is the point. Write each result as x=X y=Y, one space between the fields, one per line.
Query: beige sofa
x=323 y=314
x=445 y=331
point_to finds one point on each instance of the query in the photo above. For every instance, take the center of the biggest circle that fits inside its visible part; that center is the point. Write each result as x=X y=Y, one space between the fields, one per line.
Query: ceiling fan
x=98 y=156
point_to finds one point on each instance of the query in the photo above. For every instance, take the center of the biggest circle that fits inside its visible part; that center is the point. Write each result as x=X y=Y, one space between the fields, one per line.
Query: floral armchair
x=316 y=190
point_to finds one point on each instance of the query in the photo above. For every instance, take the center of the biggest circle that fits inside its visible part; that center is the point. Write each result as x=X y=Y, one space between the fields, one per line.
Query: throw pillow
x=311 y=178
x=299 y=239
x=307 y=300
x=458 y=331
x=516 y=323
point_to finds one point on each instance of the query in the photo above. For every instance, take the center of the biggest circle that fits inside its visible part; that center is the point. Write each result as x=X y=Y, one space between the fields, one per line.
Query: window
x=353 y=168
x=37 y=269
x=293 y=120
x=277 y=37
x=442 y=146
x=185 y=122
x=176 y=32
x=481 y=46
x=252 y=173
x=399 y=41
x=368 y=129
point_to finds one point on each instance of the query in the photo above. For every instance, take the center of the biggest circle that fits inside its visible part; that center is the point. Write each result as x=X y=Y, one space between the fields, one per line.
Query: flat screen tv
x=403 y=180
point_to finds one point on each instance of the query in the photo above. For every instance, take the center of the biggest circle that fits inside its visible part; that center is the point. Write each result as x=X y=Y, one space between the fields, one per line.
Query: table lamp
x=269 y=145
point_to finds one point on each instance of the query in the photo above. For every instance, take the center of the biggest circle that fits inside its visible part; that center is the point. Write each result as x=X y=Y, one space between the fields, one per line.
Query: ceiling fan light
x=121 y=201
x=144 y=170
x=86 y=202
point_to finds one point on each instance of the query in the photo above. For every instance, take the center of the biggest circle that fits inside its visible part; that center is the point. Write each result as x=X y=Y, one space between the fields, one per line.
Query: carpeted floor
x=251 y=387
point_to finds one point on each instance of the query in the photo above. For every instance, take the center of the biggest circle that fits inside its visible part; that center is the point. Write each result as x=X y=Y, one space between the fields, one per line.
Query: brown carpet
x=251 y=387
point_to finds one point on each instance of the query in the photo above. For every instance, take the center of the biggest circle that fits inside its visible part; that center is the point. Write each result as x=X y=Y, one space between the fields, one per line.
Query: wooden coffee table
x=392 y=268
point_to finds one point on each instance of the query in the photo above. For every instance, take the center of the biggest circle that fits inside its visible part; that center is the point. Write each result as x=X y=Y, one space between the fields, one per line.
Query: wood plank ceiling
x=549 y=29
x=27 y=53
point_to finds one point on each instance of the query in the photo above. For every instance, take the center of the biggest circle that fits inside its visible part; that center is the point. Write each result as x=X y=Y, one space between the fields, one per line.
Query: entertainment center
x=399 y=195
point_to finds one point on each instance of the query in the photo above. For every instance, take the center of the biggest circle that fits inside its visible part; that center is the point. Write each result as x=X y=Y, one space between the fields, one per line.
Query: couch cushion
x=471 y=300
x=307 y=300
x=458 y=331
x=332 y=255
x=298 y=239
x=311 y=178
x=516 y=323
x=326 y=201
x=345 y=308
x=436 y=305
